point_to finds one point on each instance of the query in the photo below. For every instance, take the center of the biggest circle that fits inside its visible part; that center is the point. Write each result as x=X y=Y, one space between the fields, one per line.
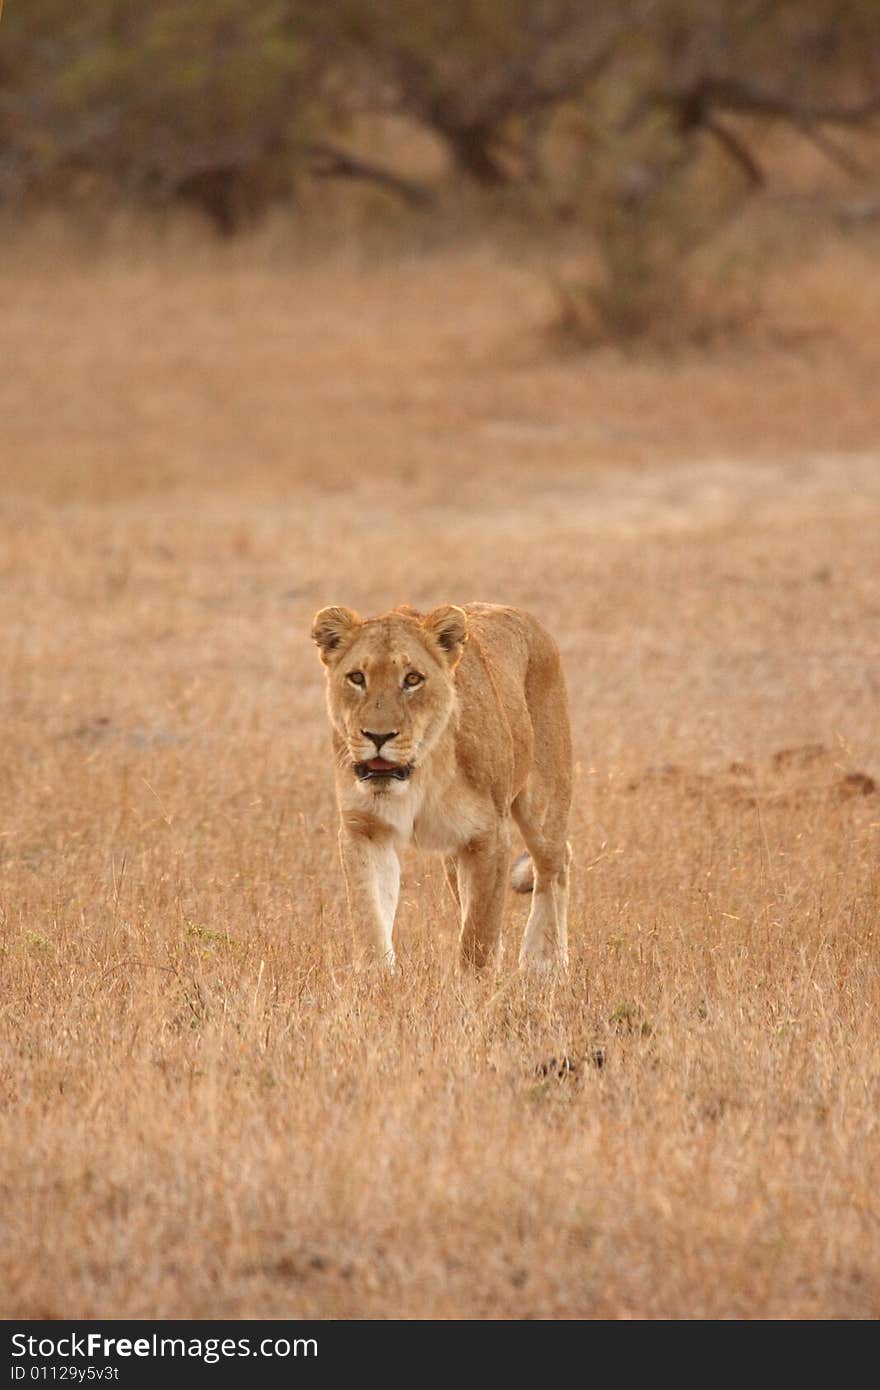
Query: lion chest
x=443 y=823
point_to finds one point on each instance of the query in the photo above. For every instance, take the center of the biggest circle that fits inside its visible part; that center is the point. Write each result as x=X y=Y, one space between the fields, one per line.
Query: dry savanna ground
x=203 y=1113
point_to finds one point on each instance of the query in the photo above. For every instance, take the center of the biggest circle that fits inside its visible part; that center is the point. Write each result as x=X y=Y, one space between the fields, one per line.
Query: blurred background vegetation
x=639 y=122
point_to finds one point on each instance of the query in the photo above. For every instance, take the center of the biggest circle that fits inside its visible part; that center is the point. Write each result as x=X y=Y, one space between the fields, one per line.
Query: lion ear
x=448 y=627
x=331 y=628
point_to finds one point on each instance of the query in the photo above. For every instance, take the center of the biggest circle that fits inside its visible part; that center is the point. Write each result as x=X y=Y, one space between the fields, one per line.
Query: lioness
x=444 y=727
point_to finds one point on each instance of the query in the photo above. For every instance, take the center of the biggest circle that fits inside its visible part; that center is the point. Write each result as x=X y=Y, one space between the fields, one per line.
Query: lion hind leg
x=541 y=811
x=545 y=940
x=542 y=822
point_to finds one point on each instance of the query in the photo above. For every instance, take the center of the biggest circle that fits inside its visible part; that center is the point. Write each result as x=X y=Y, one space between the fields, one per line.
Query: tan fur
x=486 y=734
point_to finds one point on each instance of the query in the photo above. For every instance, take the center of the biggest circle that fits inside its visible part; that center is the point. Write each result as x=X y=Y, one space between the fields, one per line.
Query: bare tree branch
x=832 y=151
x=734 y=94
x=329 y=161
x=737 y=149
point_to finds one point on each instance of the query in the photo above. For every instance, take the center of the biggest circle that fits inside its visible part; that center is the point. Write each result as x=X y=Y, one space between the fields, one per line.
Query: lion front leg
x=482 y=879
x=372 y=884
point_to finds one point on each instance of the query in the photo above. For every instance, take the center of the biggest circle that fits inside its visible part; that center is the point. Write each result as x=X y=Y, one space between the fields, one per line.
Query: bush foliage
x=232 y=105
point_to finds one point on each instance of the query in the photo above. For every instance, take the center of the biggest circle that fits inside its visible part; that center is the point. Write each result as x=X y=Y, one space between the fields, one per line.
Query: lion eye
x=412 y=680
x=357 y=678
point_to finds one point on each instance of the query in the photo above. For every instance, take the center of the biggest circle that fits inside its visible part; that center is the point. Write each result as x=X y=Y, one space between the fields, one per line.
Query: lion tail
x=522 y=874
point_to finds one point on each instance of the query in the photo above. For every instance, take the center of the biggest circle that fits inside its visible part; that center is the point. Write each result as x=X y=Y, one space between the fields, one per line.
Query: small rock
x=857 y=784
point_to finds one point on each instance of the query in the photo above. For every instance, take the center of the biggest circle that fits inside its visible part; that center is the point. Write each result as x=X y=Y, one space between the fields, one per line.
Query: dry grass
x=202 y=1113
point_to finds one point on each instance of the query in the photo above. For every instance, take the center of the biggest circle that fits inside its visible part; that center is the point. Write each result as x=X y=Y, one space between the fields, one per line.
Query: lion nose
x=378 y=739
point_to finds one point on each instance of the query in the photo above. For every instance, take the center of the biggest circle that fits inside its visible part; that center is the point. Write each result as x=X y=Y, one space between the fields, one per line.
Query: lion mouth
x=381 y=768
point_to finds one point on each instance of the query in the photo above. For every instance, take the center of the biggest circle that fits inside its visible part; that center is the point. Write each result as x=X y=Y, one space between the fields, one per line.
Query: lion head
x=390 y=687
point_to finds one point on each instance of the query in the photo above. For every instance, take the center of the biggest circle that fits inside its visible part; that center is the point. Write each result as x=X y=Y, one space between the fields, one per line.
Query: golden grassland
x=203 y=1113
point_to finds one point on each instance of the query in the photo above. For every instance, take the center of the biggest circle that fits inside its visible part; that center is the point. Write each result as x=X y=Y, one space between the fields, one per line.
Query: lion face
x=390 y=687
